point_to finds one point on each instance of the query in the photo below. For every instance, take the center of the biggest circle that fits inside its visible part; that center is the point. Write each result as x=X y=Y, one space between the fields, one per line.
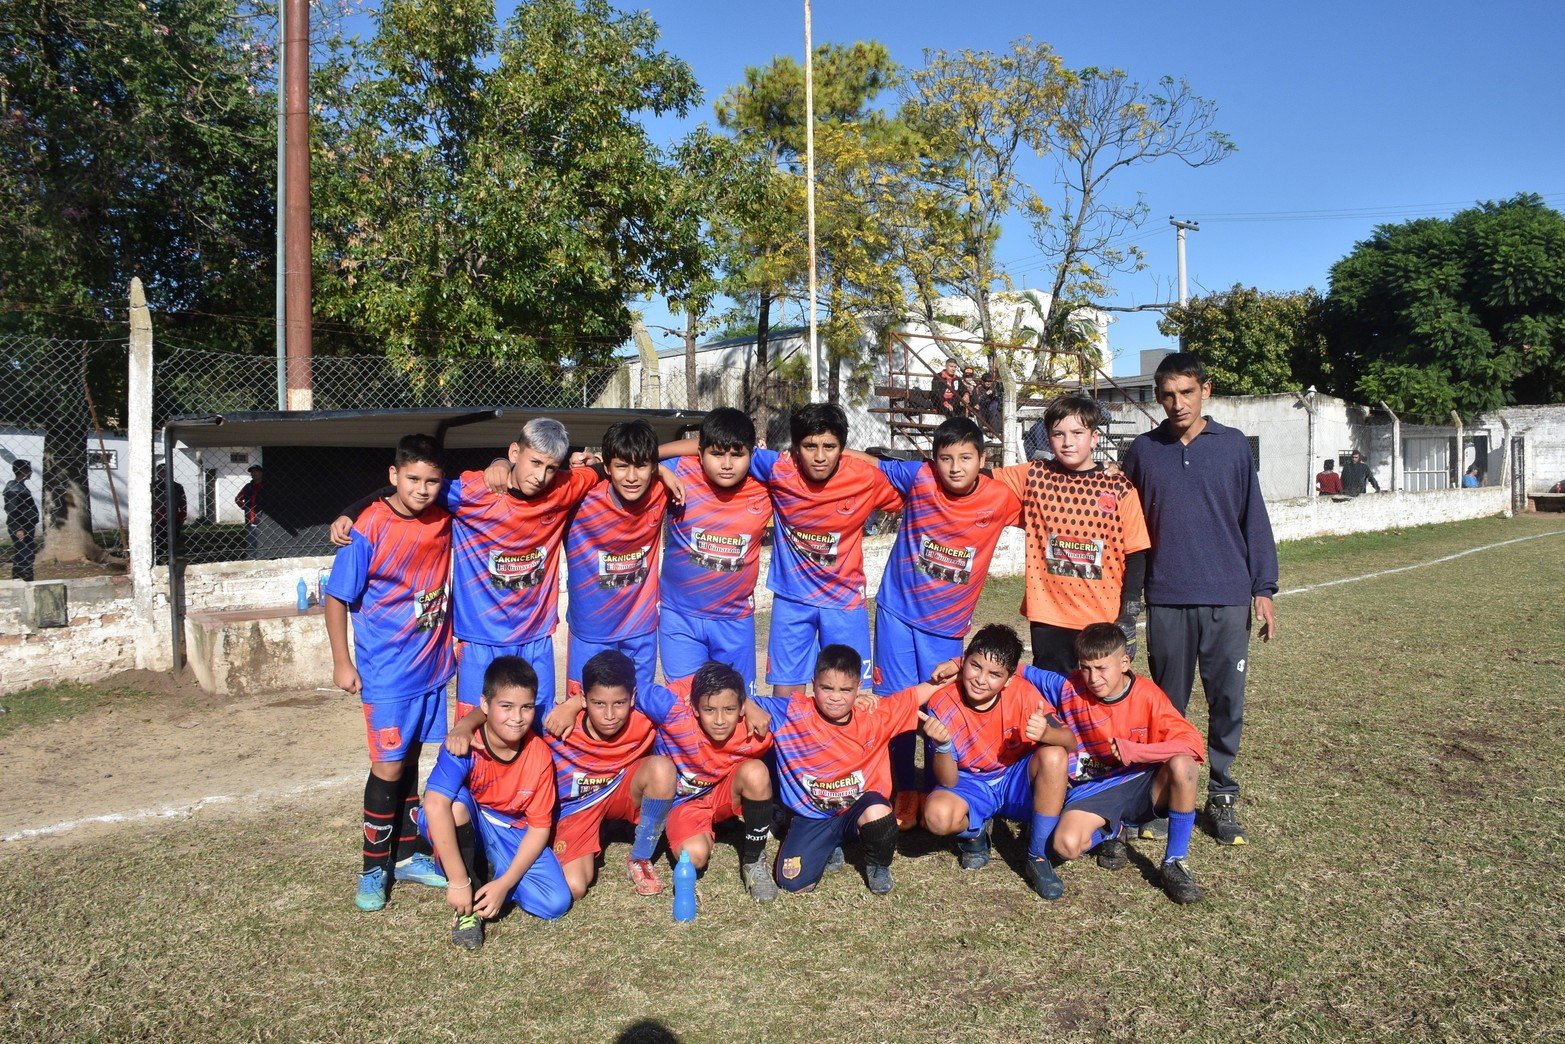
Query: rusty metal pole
x=296 y=58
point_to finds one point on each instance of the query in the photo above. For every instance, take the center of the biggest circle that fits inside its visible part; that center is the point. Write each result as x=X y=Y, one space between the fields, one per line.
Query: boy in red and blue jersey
x=506 y=555
x=501 y=794
x=712 y=552
x=612 y=547
x=1137 y=758
x=833 y=772
x=1000 y=752
x=952 y=520
x=392 y=579
x=704 y=729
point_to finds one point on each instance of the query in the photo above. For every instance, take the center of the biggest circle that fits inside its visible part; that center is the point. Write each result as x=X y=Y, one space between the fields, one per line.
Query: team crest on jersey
x=1108 y=502
x=512 y=572
x=792 y=867
x=846 y=507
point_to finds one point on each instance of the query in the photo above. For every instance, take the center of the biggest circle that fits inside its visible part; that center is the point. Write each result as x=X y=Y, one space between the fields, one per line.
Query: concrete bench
x=1546 y=502
x=239 y=651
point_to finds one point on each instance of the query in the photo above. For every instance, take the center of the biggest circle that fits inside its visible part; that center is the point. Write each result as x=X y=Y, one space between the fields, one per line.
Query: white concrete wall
x=1374 y=512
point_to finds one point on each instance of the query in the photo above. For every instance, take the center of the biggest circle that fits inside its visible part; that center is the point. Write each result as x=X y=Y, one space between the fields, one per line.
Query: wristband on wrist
x=944 y=748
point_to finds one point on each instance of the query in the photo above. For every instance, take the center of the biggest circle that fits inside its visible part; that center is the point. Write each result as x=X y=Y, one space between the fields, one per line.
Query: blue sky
x=1346 y=115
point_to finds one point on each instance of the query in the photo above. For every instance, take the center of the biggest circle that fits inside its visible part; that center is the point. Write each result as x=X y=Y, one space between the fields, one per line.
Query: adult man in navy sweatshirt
x=1212 y=554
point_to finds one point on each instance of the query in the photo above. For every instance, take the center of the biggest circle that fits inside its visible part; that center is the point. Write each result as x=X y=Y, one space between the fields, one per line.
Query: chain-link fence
x=62 y=456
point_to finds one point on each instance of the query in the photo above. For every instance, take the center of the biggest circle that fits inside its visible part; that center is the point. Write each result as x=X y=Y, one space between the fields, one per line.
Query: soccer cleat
x=1153 y=830
x=1222 y=820
x=420 y=869
x=467 y=933
x=644 y=877
x=973 y=852
x=878 y=878
x=372 y=891
x=1178 y=884
x=1113 y=854
x=1044 y=881
x=834 y=862
x=758 y=881
x=908 y=806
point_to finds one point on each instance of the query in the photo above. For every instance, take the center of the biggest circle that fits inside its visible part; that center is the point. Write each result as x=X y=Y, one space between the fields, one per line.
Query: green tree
x=492 y=190
x=1254 y=342
x=1465 y=313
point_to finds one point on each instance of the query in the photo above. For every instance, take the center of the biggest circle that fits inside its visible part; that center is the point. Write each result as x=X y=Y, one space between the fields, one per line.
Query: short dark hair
x=1098 y=640
x=1083 y=407
x=1330 y=464
x=712 y=678
x=634 y=442
x=999 y=643
x=1179 y=364
x=726 y=428
x=842 y=658
x=418 y=449
x=818 y=418
x=957 y=431
x=509 y=672
x=19 y=466
x=610 y=669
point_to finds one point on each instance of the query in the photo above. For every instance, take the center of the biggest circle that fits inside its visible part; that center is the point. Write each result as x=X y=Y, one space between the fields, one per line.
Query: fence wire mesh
x=62 y=456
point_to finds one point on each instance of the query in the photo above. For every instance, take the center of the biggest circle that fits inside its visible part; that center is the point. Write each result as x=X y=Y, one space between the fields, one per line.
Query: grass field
x=1404 y=880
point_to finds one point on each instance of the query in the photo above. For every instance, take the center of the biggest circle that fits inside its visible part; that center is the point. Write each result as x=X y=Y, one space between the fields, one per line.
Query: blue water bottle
x=684 y=889
x=303 y=604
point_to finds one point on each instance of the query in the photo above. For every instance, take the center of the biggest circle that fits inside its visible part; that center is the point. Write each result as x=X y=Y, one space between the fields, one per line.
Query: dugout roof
x=486 y=428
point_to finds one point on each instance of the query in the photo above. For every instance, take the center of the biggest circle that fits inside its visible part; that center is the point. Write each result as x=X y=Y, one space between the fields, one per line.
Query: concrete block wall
x=1304 y=518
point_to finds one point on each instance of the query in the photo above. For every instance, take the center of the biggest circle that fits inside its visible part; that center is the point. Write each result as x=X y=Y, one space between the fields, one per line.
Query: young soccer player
x=1000 y=752
x=702 y=728
x=712 y=557
x=822 y=502
x=834 y=772
x=500 y=794
x=603 y=770
x=392 y=579
x=1138 y=758
x=506 y=556
x=952 y=520
x=1086 y=537
x=611 y=549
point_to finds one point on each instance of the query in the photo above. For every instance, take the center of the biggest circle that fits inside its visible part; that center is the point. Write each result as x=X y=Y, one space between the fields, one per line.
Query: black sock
x=879 y=840
x=757 y=825
x=465 y=844
x=381 y=800
x=407 y=830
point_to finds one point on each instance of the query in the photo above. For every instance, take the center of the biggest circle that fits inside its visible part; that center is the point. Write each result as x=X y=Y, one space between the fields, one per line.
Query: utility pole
x=809 y=185
x=296 y=51
x=282 y=195
x=1181 y=227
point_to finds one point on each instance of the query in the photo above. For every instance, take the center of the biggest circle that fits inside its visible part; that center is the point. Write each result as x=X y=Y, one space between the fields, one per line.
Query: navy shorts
x=1116 y=799
x=801 y=859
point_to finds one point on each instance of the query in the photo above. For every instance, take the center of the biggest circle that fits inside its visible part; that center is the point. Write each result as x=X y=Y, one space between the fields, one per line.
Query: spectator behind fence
x=986 y=403
x=1473 y=478
x=1355 y=474
x=948 y=390
x=21 y=521
x=248 y=500
x=1329 y=483
x=162 y=516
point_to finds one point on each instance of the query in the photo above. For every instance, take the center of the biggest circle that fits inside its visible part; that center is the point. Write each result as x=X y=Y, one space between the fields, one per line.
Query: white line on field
x=167 y=811
x=1418 y=565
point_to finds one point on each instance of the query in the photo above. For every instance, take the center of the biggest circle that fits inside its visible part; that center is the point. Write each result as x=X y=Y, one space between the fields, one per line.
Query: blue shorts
x=392 y=726
x=906 y=656
x=542 y=891
x=800 y=631
x=1116 y=799
x=686 y=641
x=641 y=648
x=1008 y=796
x=476 y=659
x=801 y=859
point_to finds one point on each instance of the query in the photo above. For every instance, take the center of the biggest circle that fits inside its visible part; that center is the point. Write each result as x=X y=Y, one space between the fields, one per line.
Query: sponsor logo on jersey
x=622 y=570
x=514 y=571
x=689 y=785
x=1073 y=556
x=585 y=784
x=954 y=565
x=718 y=552
x=834 y=795
x=429 y=608
x=820 y=548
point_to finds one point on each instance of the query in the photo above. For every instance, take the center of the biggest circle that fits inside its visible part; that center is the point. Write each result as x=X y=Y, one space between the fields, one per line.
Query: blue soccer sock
x=1042 y=829
x=1180 y=825
x=654 y=812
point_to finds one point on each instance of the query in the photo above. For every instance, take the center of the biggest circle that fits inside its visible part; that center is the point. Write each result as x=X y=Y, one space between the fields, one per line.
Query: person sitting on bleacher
x=949 y=391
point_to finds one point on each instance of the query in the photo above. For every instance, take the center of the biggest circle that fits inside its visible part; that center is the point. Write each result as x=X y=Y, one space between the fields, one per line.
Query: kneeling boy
x=834 y=771
x=1138 y=758
x=702 y=727
x=502 y=790
x=999 y=753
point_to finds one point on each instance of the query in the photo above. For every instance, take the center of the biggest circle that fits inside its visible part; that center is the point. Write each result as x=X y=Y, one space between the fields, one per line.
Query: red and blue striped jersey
x=823 y=768
x=713 y=553
x=394 y=576
x=700 y=763
x=988 y=742
x=506 y=556
x=586 y=770
x=818 y=549
x=943 y=548
x=1143 y=723
x=611 y=553
x=521 y=789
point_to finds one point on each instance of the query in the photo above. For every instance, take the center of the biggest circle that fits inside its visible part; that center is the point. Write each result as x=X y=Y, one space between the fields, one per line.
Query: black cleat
x=1177 y=883
x=1044 y=881
x=1113 y=854
x=1222 y=820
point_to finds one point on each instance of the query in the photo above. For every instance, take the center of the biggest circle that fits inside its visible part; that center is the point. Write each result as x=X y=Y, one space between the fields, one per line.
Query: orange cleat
x=908 y=807
x=644 y=877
